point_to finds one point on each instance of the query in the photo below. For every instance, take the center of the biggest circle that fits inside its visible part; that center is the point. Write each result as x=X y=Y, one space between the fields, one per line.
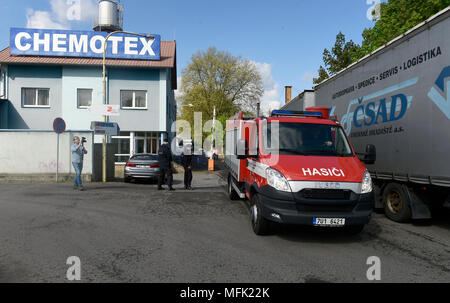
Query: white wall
x=28 y=152
x=33 y=76
x=74 y=78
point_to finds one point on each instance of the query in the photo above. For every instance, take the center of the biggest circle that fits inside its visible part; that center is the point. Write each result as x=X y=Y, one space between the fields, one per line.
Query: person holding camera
x=78 y=152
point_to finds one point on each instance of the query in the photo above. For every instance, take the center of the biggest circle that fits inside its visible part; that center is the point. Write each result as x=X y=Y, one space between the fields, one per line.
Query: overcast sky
x=284 y=38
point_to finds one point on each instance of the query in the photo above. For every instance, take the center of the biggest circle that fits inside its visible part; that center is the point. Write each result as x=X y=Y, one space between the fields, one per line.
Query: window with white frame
x=123 y=147
x=35 y=97
x=84 y=97
x=133 y=99
x=146 y=142
x=130 y=143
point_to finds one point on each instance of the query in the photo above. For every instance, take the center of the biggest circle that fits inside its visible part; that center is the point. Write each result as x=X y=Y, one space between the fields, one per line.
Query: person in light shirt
x=78 y=152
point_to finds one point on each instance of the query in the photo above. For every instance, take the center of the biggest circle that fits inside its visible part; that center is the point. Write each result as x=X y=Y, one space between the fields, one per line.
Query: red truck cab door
x=253 y=150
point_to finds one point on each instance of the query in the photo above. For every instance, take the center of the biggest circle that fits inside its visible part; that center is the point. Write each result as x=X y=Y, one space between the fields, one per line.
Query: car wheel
x=396 y=205
x=232 y=194
x=127 y=179
x=260 y=225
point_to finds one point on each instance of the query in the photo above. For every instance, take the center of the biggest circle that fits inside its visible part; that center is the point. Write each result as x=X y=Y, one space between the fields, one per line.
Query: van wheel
x=396 y=204
x=232 y=194
x=260 y=225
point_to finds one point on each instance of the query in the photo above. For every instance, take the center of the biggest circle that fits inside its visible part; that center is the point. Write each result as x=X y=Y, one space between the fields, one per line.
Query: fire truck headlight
x=277 y=180
x=366 y=185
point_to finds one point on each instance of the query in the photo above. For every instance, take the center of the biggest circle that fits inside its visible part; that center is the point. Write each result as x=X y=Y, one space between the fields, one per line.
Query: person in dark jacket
x=187 y=164
x=165 y=162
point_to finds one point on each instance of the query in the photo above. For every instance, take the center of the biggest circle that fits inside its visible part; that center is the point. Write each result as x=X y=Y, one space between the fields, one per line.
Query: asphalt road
x=133 y=233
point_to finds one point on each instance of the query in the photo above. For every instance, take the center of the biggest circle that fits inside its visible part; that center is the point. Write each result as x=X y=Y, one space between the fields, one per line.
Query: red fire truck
x=298 y=168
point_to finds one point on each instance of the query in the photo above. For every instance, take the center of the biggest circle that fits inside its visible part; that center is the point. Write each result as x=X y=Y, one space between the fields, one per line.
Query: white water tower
x=110 y=16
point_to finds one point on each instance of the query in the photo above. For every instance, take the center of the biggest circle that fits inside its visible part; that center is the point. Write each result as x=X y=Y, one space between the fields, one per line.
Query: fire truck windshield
x=305 y=139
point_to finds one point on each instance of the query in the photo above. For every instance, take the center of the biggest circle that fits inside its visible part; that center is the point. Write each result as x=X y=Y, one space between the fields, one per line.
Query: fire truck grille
x=326 y=194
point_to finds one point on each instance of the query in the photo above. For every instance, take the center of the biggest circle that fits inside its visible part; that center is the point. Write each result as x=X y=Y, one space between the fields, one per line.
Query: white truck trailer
x=398 y=99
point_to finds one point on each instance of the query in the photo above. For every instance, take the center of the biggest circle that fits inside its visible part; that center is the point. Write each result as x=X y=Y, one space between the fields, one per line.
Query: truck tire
x=261 y=226
x=232 y=194
x=396 y=204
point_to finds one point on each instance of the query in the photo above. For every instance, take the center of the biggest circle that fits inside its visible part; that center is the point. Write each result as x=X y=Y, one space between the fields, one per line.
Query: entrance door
x=140 y=143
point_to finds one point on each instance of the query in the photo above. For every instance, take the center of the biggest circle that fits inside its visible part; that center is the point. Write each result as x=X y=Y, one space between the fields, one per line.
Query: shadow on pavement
x=304 y=233
x=299 y=233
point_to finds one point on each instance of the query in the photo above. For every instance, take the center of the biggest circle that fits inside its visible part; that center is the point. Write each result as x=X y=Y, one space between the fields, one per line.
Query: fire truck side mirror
x=241 y=149
x=371 y=154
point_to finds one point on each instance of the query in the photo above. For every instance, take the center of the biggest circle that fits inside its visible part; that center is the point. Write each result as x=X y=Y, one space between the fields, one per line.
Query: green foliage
x=216 y=78
x=341 y=55
x=322 y=75
x=396 y=18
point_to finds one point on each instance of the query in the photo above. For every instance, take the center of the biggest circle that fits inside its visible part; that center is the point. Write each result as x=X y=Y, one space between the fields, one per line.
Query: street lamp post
x=104 y=92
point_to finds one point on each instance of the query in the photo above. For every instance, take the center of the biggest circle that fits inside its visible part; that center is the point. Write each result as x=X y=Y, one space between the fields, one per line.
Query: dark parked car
x=142 y=166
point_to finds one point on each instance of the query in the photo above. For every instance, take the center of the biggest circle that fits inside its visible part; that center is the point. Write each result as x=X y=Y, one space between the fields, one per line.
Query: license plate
x=329 y=221
x=141 y=166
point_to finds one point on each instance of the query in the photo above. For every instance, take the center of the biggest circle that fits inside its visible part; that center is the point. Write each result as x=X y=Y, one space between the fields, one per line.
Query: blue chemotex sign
x=68 y=43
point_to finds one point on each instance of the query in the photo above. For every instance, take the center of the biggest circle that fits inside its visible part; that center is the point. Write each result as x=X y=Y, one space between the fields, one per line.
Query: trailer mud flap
x=378 y=197
x=419 y=209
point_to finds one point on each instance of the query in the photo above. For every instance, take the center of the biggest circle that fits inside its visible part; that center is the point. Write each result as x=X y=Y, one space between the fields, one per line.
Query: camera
x=83 y=140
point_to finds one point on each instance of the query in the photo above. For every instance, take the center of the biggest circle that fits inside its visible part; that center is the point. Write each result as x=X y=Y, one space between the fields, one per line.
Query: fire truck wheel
x=232 y=194
x=261 y=226
x=396 y=206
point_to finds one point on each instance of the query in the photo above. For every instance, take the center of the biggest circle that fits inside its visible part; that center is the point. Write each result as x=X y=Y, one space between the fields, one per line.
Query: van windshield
x=306 y=139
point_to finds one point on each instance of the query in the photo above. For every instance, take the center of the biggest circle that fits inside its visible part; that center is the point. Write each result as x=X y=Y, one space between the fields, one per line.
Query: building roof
x=168 y=60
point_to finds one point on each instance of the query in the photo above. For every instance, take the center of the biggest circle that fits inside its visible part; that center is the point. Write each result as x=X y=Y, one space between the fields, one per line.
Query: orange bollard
x=211 y=164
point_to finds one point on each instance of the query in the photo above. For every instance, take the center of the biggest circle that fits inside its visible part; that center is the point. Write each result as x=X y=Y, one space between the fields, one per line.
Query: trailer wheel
x=260 y=225
x=396 y=205
x=232 y=194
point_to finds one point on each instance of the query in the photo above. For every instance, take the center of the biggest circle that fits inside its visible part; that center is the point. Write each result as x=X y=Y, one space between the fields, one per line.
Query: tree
x=216 y=78
x=341 y=55
x=396 y=17
x=322 y=75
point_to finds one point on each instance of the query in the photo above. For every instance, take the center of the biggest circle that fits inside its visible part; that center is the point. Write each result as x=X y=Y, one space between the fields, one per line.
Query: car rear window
x=145 y=157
